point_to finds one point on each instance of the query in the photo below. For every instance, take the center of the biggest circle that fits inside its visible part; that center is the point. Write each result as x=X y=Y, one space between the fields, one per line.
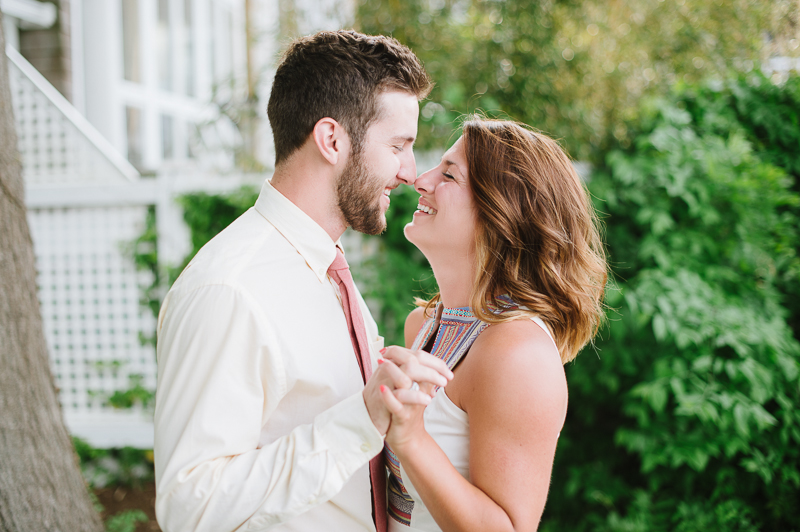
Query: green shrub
x=208 y=214
x=125 y=466
x=770 y=117
x=685 y=417
x=126 y=521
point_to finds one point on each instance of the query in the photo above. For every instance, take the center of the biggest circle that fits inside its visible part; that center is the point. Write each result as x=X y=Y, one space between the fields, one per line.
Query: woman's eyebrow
x=448 y=162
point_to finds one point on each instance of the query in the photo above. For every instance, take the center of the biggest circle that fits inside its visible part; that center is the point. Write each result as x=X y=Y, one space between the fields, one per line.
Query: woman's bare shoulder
x=516 y=362
x=414 y=323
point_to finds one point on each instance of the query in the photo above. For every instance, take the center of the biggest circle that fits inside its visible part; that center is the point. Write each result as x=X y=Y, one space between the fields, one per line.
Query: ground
x=118 y=499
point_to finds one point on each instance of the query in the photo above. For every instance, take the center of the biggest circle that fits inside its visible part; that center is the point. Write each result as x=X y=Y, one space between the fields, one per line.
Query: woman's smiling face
x=445 y=220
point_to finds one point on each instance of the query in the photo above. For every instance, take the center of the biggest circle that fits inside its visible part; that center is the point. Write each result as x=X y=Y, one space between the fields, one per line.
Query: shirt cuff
x=349 y=432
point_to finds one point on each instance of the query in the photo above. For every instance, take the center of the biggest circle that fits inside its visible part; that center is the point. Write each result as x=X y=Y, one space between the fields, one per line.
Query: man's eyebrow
x=405 y=139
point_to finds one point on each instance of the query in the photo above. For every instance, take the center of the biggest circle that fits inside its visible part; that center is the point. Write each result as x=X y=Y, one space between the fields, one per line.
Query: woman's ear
x=331 y=140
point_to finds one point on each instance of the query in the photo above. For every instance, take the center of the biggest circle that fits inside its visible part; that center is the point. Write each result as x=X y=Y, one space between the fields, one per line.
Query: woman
x=512 y=238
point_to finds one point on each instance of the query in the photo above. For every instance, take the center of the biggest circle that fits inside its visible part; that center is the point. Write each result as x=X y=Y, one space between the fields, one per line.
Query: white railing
x=42 y=14
x=58 y=145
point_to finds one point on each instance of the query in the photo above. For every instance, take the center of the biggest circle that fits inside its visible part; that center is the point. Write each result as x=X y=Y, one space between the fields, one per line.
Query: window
x=164 y=46
x=221 y=44
x=188 y=39
x=133 y=119
x=130 y=41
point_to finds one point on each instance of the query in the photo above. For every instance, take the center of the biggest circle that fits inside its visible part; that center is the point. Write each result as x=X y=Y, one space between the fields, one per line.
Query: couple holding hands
x=278 y=407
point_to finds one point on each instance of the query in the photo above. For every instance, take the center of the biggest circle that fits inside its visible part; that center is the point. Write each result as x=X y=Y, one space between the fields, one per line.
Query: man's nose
x=408 y=171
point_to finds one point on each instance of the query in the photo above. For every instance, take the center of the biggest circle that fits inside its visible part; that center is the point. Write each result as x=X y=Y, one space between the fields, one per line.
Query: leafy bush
x=126 y=521
x=208 y=214
x=126 y=466
x=770 y=117
x=686 y=417
x=768 y=113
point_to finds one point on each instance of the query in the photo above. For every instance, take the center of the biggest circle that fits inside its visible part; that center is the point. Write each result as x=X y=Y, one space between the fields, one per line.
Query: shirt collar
x=307 y=236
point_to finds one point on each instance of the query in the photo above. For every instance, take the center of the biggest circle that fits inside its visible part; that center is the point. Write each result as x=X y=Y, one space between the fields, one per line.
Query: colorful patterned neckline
x=456 y=330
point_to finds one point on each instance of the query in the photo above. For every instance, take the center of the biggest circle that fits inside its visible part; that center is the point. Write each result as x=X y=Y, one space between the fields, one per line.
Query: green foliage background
x=686 y=416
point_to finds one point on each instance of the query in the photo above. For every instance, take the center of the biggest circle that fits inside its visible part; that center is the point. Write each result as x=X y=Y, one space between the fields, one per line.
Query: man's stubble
x=359 y=196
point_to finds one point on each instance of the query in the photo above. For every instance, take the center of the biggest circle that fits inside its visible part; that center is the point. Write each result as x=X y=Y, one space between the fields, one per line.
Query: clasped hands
x=390 y=394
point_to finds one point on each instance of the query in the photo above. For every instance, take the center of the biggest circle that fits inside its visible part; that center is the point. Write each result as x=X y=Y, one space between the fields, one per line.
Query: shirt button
x=365 y=447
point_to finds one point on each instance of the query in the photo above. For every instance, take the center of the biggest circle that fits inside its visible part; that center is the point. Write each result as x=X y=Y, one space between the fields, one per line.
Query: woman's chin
x=409 y=225
x=411 y=232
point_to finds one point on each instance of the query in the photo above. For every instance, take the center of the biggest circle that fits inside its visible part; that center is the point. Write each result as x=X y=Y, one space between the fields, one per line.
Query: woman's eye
x=448 y=176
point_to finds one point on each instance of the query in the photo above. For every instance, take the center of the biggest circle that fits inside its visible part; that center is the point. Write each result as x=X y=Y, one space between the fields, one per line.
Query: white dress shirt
x=259 y=422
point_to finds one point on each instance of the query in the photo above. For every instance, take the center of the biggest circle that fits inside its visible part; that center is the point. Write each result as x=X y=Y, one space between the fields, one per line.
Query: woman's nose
x=426 y=181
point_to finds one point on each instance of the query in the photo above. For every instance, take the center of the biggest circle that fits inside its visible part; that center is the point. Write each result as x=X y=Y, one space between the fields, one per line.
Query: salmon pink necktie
x=340 y=272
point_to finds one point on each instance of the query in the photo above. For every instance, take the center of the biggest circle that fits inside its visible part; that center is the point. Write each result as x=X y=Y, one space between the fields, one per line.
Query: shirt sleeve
x=219 y=381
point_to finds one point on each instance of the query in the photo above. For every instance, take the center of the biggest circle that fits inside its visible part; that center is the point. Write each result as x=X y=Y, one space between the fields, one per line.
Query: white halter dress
x=456 y=329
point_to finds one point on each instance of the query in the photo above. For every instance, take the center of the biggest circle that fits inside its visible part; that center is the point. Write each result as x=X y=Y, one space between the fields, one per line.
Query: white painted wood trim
x=83 y=126
x=37 y=13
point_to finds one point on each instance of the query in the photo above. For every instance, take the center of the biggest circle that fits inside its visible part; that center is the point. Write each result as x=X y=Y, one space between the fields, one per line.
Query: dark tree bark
x=41 y=487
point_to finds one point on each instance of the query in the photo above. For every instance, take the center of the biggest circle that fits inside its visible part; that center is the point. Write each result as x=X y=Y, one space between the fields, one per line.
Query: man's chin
x=372 y=226
x=376 y=229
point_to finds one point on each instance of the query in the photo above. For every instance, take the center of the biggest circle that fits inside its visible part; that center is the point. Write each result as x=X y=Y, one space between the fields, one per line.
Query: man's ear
x=331 y=140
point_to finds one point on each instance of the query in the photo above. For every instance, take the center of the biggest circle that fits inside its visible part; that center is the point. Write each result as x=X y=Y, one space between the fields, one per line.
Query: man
x=263 y=420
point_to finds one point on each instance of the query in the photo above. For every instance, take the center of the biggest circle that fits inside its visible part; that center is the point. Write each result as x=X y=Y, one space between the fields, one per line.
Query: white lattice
x=58 y=146
x=89 y=294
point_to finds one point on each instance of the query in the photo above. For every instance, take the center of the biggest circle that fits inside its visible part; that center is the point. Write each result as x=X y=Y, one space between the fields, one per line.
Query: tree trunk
x=41 y=487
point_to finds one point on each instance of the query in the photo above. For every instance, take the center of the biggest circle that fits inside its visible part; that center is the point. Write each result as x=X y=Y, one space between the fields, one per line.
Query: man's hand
x=399 y=370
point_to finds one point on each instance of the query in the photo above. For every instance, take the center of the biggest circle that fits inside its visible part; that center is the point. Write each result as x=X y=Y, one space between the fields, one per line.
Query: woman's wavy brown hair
x=537 y=235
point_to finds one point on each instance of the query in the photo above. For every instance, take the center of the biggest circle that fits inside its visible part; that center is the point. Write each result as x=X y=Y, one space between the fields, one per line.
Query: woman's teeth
x=425 y=209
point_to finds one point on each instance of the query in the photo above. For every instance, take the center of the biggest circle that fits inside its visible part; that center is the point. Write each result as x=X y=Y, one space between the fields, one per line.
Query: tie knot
x=339 y=263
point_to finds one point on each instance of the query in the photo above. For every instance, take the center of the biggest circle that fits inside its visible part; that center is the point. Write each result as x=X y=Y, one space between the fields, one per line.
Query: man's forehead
x=397 y=115
x=393 y=103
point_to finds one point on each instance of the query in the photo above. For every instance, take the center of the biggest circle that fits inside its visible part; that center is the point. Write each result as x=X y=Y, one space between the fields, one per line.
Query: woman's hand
x=422 y=368
x=407 y=425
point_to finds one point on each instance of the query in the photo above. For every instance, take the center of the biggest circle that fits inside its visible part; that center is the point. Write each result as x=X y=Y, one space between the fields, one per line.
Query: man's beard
x=359 y=195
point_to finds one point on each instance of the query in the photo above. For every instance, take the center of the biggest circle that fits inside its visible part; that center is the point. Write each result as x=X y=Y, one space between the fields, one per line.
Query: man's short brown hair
x=339 y=75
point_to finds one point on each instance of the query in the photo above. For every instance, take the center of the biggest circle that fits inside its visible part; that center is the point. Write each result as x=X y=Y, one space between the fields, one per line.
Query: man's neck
x=313 y=194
